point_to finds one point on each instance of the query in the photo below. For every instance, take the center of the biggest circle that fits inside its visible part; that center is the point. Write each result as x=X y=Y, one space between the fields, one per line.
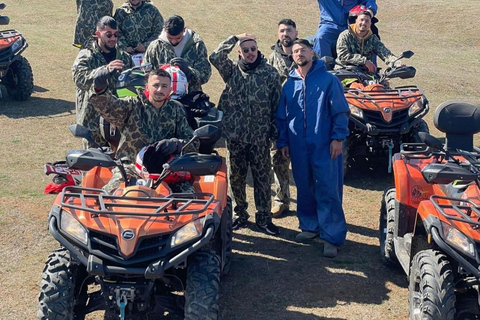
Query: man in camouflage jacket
x=184 y=48
x=281 y=59
x=140 y=23
x=88 y=14
x=249 y=102
x=142 y=120
x=357 y=45
x=100 y=52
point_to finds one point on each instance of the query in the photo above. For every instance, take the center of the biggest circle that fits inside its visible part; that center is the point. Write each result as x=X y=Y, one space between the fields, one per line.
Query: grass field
x=271 y=277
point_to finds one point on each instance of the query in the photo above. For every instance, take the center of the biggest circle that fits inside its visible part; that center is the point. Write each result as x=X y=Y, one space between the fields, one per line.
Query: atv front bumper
x=154 y=270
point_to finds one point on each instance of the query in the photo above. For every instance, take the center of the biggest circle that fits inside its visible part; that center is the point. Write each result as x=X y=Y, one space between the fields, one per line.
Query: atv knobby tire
x=227 y=212
x=431 y=289
x=203 y=286
x=421 y=126
x=19 y=79
x=387 y=227
x=57 y=288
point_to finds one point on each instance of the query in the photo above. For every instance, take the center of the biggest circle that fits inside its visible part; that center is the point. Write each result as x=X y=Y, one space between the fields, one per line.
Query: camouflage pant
x=117 y=180
x=241 y=156
x=282 y=178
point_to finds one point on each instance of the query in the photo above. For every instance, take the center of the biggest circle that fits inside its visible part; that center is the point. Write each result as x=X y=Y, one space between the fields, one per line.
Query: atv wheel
x=431 y=289
x=203 y=286
x=229 y=235
x=57 y=288
x=421 y=126
x=387 y=226
x=19 y=79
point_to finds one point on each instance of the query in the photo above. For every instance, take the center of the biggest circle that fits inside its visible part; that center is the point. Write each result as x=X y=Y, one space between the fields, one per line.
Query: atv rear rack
x=99 y=202
x=458 y=209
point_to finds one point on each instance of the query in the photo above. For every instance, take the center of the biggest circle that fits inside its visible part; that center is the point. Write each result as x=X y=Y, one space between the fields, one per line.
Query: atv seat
x=459 y=120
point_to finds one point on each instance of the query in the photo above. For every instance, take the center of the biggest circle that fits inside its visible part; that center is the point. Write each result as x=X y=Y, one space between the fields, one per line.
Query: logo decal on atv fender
x=418 y=194
x=128 y=234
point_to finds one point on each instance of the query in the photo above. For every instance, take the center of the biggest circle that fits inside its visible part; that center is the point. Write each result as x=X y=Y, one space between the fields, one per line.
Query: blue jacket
x=336 y=11
x=312 y=111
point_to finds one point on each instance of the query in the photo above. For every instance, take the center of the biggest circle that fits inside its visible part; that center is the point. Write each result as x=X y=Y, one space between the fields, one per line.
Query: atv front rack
x=99 y=202
x=397 y=93
x=457 y=209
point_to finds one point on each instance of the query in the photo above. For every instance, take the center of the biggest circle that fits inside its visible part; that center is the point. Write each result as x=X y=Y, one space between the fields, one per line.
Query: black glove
x=159 y=153
x=183 y=65
x=101 y=77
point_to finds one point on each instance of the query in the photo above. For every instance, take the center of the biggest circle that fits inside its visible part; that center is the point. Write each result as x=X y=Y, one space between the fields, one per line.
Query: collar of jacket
x=317 y=66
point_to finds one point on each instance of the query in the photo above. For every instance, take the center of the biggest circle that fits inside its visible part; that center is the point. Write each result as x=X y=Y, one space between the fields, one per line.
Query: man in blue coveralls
x=312 y=121
x=333 y=20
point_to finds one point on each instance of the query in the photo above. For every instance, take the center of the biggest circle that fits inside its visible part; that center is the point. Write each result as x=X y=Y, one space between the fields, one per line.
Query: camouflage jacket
x=87 y=61
x=352 y=51
x=141 y=25
x=281 y=61
x=140 y=123
x=249 y=100
x=88 y=14
x=195 y=54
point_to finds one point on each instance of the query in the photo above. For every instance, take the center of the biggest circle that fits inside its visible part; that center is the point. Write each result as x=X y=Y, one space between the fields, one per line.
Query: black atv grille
x=375 y=117
x=5 y=56
x=147 y=249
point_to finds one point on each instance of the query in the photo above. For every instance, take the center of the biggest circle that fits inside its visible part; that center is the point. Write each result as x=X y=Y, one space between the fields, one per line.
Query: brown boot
x=278 y=210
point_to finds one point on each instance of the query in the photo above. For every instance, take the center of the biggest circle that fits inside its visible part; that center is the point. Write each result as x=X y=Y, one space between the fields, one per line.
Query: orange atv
x=142 y=250
x=430 y=220
x=381 y=117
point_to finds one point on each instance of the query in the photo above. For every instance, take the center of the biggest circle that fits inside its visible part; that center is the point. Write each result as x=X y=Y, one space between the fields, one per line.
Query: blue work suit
x=312 y=112
x=333 y=20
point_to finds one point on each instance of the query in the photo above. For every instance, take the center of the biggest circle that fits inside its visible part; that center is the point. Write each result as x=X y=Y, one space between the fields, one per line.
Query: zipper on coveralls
x=304 y=108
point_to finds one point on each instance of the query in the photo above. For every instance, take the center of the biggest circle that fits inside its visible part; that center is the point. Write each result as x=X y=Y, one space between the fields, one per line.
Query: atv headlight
x=415 y=108
x=188 y=232
x=17 y=44
x=74 y=228
x=357 y=112
x=458 y=239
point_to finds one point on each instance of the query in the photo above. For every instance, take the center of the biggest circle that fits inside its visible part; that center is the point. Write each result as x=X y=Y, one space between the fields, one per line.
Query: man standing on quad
x=333 y=20
x=139 y=23
x=88 y=14
x=357 y=45
x=281 y=59
x=312 y=120
x=100 y=53
x=184 y=48
x=142 y=120
x=249 y=102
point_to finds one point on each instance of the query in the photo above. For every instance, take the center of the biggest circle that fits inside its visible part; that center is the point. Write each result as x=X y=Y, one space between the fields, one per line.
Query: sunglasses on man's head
x=246 y=49
x=108 y=34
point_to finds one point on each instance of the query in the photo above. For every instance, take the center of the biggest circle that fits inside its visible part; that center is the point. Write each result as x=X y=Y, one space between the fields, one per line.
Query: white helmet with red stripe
x=141 y=170
x=179 y=81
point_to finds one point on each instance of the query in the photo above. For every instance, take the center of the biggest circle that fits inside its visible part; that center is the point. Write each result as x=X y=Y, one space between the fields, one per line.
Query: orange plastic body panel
x=143 y=225
x=411 y=188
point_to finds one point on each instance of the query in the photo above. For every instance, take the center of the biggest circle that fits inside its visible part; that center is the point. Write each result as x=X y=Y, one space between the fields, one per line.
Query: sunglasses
x=108 y=34
x=246 y=49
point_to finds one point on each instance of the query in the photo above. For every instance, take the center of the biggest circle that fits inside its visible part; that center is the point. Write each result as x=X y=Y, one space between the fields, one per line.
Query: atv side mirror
x=204 y=132
x=406 y=54
x=2 y=6
x=80 y=131
x=431 y=141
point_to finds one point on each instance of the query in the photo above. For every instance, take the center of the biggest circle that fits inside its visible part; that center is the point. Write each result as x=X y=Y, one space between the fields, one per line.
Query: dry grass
x=272 y=278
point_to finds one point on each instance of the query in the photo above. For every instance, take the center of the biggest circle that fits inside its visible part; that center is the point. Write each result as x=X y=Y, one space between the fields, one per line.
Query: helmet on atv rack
x=179 y=81
x=132 y=79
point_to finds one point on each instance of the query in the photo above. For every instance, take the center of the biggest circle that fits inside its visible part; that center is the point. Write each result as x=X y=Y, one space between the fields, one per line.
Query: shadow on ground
x=35 y=107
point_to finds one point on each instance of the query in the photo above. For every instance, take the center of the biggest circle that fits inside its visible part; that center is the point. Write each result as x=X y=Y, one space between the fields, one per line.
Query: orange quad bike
x=430 y=220
x=141 y=251
x=381 y=117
